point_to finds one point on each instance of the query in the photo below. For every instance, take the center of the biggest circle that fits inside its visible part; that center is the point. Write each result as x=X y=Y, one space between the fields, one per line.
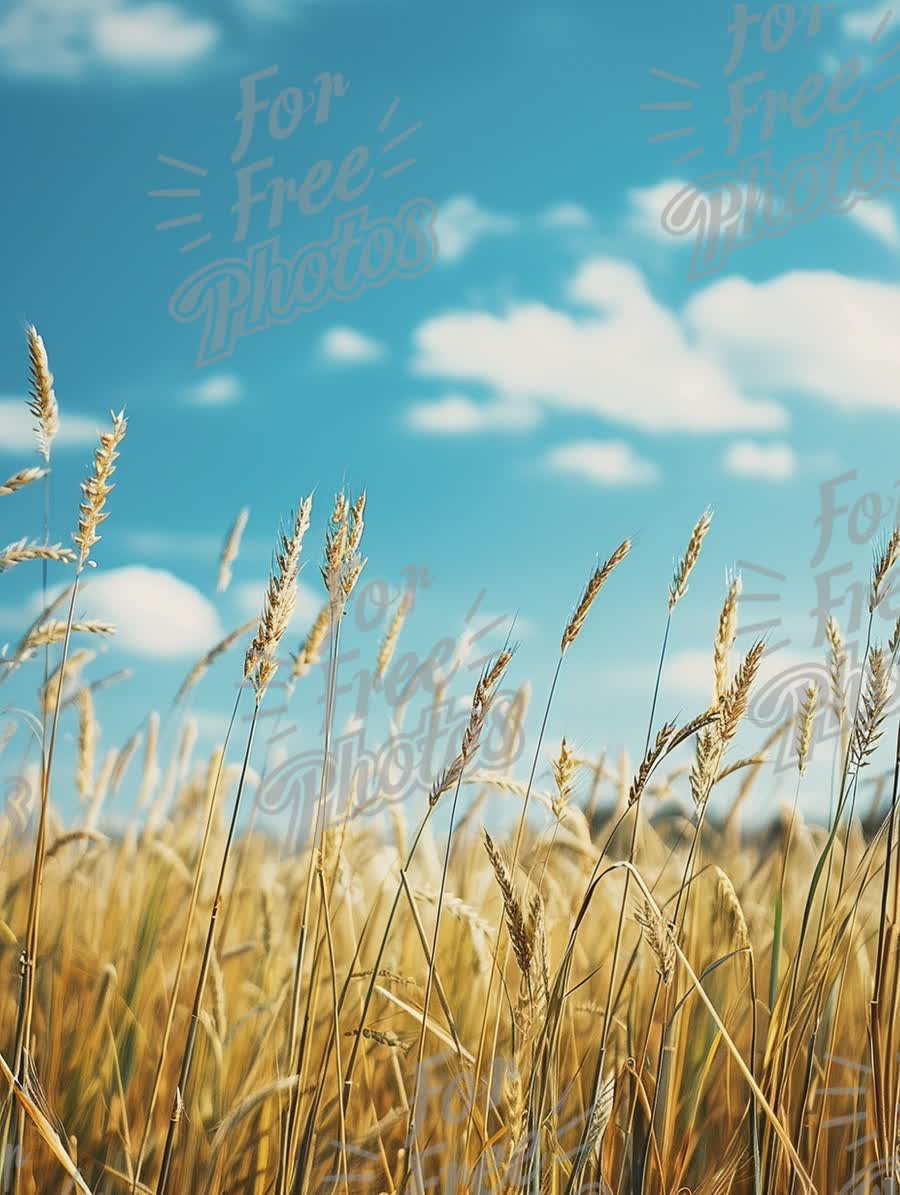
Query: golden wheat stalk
x=55 y=631
x=389 y=644
x=726 y=634
x=87 y=744
x=311 y=650
x=231 y=549
x=597 y=580
x=805 y=721
x=261 y=662
x=658 y=935
x=97 y=487
x=19 y=480
x=685 y=565
x=563 y=776
x=42 y=400
x=885 y=560
x=22 y=551
x=200 y=669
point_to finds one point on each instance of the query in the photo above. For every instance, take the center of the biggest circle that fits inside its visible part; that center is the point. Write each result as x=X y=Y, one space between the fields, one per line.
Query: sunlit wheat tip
x=97 y=487
x=734 y=701
x=685 y=566
x=563 y=776
x=21 y=479
x=598 y=579
x=868 y=728
x=885 y=560
x=805 y=725
x=726 y=633
x=42 y=400
x=261 y=661
x=231 y=549
x=658 y=935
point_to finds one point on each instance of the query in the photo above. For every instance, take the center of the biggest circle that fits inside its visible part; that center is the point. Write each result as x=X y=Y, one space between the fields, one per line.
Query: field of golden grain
x=624 y=993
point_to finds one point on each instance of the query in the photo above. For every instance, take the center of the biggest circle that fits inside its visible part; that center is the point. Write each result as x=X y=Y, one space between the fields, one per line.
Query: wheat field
x=626 y=991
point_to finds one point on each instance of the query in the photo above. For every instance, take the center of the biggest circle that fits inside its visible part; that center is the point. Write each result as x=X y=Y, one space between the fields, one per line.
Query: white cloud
x=155 y=613
x=865 y=22
x=566 y=215
x=603 y=462
x=462 y=222
x=877 y=218
x=152 y=35
x=818 y=333
x=766 y=462
x=249 y=599
x=17 y=428
x=216 y=391
x=647 y=204
x=54 y=38
x=455 y=415
x=350 y=347
x=627 y=359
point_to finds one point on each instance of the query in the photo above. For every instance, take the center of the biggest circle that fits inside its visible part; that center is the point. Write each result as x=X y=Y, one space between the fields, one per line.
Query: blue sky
x=552 y=372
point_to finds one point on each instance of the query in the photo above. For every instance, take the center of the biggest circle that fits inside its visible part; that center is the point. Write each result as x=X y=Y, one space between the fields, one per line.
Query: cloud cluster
x=65 y=39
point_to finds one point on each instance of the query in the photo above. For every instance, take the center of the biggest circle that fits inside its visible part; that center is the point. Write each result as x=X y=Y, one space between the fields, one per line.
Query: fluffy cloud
x=765 y=462
x=455 y=415
x=47 y=37
x=625 y=358
x=349 y=347
x=603 y=462
x=17 y=428
x=216 y=391
x=155 y=613
x=462 y=222
x=566 y=215
x=820 y=334
x=865 y=22
x=647 y=204
x=878 y=219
